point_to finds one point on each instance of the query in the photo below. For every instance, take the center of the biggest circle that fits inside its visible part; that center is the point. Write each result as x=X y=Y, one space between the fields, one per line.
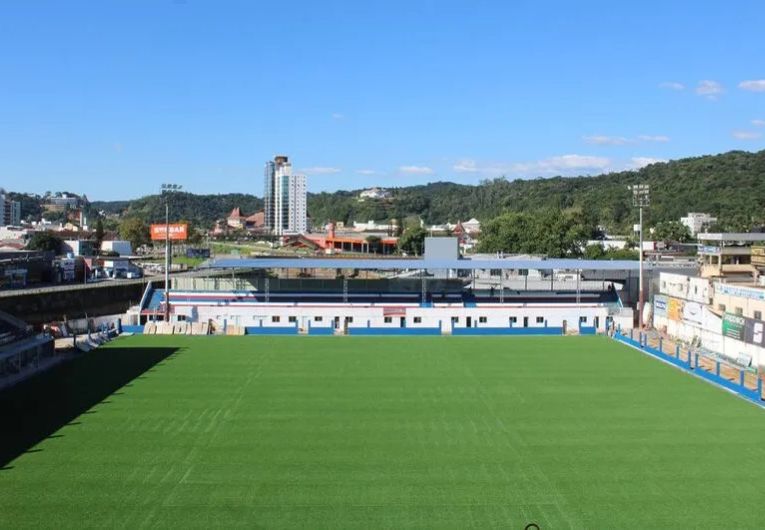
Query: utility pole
x=641 y=198
x=167 y=191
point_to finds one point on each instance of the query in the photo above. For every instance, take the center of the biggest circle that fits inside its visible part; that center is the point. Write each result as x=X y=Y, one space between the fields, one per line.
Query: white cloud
x=319 y=170
x=636 y=162
x=575 y=162
x=653 y=138
x=466 y=166
x=746 y=135
x=564 y=164
x=367 y=172
x=416 y=170
x=709 y=89
x=600 y=139
x=672 y=85
x=338 y=116
x=758 y=123
x=754 y=85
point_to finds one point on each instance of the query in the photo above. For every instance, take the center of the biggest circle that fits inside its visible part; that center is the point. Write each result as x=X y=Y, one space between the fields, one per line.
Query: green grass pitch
x=347 y=432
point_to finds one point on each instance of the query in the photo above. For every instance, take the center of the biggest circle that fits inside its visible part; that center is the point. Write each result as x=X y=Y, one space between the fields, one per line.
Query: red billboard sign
x=178 y=232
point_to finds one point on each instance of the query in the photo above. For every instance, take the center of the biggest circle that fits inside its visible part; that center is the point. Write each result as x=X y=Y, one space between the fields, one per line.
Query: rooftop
x=414 y=263
x=732 y=236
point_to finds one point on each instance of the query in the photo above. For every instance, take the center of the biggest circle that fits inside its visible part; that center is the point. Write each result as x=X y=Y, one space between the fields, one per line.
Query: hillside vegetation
x=729 y=185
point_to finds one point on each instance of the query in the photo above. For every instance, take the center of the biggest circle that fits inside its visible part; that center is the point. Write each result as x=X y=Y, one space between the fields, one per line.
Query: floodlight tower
x=167 y=191
x=641 y=198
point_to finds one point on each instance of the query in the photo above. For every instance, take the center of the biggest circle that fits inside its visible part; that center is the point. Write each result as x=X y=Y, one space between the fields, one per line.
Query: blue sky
x=112 y=98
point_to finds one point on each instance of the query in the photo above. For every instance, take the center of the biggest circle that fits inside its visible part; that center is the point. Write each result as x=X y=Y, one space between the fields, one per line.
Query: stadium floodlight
x=167 y=190
x=641 y=198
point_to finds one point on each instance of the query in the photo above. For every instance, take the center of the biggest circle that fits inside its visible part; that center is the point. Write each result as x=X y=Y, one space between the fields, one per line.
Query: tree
x=45 y=241
x=135 y=230
x=374 y=243
x=99 y=233
x=412 y=241
x=671 y=231
x=550 y=232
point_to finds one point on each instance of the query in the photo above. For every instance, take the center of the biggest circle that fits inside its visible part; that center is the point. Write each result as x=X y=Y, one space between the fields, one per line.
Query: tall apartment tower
x=285 y=198
x=10 y=211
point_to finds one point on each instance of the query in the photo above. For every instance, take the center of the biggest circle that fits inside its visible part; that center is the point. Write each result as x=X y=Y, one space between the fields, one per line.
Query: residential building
x=374 y=193
x=285 y=198
x=10 y=211
x=697 y=222
x=729 y=254
x=472 y=227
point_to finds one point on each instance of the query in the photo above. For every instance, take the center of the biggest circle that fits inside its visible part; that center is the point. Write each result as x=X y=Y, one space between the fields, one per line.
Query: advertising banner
x=660 y=305
x=692 y=313
x=178 y=232
x=675 y=309
x=733 y=326
x=754 y=332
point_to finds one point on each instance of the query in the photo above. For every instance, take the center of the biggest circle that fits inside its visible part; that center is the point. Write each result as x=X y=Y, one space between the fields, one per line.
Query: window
x=739 y=311
x=318 y=319
x=758 y=315
x=696 y=289
x=540 y=320
x=513 y=320
x=180 y=318
x=388 y=320
x=292 y=319
x=482 y=320
x=349 y=319
x=275 y=319
x=663 y=286
x=582 y=320
x=721 y=307
x=417 y=320
x=455 y=320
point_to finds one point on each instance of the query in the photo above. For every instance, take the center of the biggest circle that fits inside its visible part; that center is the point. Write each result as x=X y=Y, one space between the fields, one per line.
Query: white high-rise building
x=10 y=211
x=285 y=198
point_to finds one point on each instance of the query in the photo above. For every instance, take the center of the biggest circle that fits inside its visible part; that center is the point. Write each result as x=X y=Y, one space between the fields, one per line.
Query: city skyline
x=364 y=95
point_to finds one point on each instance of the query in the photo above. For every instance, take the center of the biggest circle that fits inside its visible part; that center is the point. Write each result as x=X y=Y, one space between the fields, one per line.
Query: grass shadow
x=35 y=409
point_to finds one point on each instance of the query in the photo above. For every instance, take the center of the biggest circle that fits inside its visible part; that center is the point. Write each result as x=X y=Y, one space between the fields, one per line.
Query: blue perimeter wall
x=321 y=331
x=394 y=331
x=257 y=330
x=752 y=395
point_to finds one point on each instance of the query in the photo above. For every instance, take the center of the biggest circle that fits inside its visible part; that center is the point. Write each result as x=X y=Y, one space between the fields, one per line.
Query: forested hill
x=730 y=185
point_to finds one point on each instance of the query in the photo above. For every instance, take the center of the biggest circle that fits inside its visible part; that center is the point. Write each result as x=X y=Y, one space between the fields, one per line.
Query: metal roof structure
x=430 y=264
x=732 y=236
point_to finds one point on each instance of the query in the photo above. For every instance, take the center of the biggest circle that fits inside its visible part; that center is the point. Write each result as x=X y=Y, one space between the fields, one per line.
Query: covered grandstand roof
x=411 y=263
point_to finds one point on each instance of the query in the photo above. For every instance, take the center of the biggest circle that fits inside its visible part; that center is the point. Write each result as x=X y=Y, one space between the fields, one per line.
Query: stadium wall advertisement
x=660 y=305
x=675 y=309
x=744 y=329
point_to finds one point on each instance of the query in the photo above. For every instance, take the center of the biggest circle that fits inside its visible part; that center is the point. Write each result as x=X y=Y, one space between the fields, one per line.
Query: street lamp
x=167 y=191
x=641 y=197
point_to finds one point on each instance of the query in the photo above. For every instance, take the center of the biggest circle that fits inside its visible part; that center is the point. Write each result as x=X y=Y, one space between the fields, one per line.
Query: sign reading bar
x=178 y=232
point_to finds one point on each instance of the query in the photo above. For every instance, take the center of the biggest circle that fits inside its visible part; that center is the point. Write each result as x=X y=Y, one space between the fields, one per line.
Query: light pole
x=641 y=197
x=167 y=191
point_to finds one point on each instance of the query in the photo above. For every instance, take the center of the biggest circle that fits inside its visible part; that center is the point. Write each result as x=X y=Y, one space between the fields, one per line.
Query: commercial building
x=121 y=247
x=285 y=198
x=697 y=222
